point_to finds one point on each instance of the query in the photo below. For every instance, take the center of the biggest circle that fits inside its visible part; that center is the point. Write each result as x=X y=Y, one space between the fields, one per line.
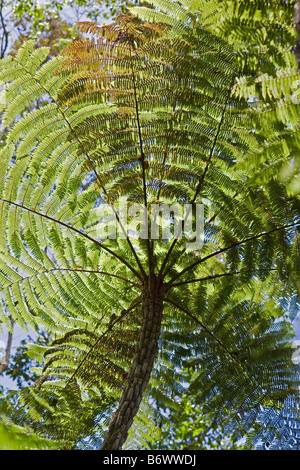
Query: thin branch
x=201 y=182
x=93 y=271
x=79 y=232
x=165 y=156
x=5 y=362
x=207 y=278
x=222 y=250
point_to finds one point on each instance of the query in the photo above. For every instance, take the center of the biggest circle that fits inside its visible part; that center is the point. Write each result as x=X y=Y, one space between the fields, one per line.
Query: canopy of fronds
x=148 y=110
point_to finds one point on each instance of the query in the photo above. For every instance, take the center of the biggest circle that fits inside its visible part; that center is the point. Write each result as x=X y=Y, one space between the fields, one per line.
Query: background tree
x=34 y=19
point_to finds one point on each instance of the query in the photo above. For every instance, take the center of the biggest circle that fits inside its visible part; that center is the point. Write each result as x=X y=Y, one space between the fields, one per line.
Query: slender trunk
x=140 y=370
x=5 y=362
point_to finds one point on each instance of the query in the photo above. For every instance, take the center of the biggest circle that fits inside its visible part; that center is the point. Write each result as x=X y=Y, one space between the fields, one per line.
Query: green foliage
x=50 y=23
x=153 y=109
x=20 y=365
x=187 y=427
x=17 y=438
x=270 y=79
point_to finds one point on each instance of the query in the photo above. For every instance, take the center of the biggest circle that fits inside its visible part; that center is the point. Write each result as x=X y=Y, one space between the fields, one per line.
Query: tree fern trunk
x=140 y=370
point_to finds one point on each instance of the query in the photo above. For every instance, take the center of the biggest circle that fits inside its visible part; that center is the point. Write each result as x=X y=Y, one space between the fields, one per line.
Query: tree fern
x=147 y=111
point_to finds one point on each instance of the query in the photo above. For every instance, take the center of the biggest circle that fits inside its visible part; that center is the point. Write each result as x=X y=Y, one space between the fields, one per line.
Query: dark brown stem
x=141 y=368
x=206 y=278
x=226 y=248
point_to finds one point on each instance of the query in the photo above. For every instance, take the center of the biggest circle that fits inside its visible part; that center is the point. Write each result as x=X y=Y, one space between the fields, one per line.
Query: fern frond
x=156 y=112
